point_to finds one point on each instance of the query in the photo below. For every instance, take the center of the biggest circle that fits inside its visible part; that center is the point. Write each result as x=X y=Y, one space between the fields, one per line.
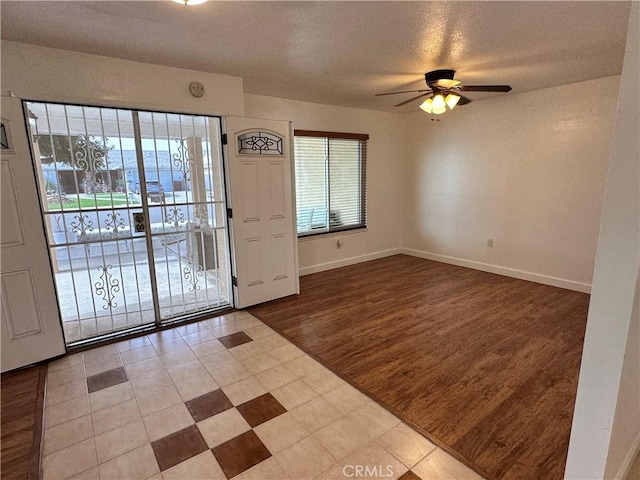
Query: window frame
x=362 y=138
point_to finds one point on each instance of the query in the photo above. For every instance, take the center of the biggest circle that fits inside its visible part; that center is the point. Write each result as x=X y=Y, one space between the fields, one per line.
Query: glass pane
x=259 y=143
x=345 y=183
x=183 y=160
x=311 y=183
x=83 y=156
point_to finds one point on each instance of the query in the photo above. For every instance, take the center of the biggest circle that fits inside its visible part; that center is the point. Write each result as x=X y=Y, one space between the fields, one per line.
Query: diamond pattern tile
x=106 y=379
x=240 y=453
x=260 y=409
x=409 y=475
x=208 y=405
x=178 y=447
x=235 y=339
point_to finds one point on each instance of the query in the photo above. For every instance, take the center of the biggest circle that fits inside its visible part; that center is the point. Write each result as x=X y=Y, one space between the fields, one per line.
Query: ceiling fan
x=443 y=91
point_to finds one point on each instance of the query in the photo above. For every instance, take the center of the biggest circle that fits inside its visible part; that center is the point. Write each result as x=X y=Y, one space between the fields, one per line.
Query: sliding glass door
x=134 y=207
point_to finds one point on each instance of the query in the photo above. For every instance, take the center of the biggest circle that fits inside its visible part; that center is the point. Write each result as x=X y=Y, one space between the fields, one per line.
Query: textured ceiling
x=341 y=53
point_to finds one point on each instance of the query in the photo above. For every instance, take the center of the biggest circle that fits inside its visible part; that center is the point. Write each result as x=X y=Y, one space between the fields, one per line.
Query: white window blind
x=330 y=181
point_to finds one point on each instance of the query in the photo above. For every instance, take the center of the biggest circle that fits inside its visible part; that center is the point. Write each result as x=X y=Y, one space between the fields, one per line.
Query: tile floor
x=224 y=398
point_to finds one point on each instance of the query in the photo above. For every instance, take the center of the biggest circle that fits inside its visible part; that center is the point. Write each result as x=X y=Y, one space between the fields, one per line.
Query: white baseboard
x=628 y=460
x=508 y=272
x=321 y=267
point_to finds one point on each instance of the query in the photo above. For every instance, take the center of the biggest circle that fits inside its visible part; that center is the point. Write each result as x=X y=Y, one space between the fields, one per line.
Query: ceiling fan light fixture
x=444 y=92
x=447 y=83
x=427 y=105
x=190 y=3
x=452 y=100
x=439 y=102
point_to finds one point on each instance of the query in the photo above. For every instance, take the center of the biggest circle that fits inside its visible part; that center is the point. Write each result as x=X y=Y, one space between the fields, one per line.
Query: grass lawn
x=92 y=201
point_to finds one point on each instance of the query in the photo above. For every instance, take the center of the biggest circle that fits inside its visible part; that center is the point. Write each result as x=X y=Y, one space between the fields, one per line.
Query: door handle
x=139 y=222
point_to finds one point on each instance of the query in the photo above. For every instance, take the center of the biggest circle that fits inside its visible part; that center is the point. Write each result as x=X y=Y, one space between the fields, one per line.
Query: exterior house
x=120 y=175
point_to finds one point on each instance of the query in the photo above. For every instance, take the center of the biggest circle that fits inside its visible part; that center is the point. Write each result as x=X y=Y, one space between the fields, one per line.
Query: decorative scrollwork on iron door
x=89 y=153
x=193 y=274
x=107 y=287
x=114 y=224
x=182 y=159
x=81 y=226
x=200 y=215
x=174 y=216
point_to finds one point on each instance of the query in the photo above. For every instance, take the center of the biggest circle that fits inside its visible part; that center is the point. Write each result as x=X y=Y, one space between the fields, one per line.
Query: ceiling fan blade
x=463 y=100
x=411 y=100
x=406 y=91
x=484 y=88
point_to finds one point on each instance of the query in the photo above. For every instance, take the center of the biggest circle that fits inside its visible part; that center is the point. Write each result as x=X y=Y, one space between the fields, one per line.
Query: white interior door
x=263 y=223
x=31 y=329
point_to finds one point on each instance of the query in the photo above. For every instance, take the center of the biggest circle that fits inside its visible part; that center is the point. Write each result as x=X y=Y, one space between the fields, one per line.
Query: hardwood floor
x=22 y=406
x=486 y=366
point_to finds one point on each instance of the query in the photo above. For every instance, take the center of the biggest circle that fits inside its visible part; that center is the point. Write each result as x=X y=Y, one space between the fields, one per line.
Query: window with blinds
x=330 y=181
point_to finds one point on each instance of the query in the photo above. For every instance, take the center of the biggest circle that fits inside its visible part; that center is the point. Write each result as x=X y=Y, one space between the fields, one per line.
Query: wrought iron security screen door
x=133 y=204
x=186 y=211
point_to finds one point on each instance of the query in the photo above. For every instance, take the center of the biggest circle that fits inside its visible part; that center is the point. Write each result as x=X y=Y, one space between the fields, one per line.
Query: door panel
x=12 y=231
x=255 y=272
x=21 y=319
x=276 y=177
x=31 y=329
x=264 y=229
x=250 y=193
x=280 y=262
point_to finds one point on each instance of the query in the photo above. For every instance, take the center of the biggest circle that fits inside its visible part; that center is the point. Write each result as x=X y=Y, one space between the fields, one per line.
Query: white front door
x=31 y=329
x=263 y=223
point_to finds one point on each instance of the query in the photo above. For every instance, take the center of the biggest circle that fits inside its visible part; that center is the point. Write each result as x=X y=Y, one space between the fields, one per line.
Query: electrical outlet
x=490 y=242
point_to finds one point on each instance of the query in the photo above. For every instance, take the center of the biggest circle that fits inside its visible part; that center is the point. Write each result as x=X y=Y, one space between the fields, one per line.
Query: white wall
x=39 y=73
x=625 y=436
x=385 y=157
x=527 y=170
x=603 y=404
